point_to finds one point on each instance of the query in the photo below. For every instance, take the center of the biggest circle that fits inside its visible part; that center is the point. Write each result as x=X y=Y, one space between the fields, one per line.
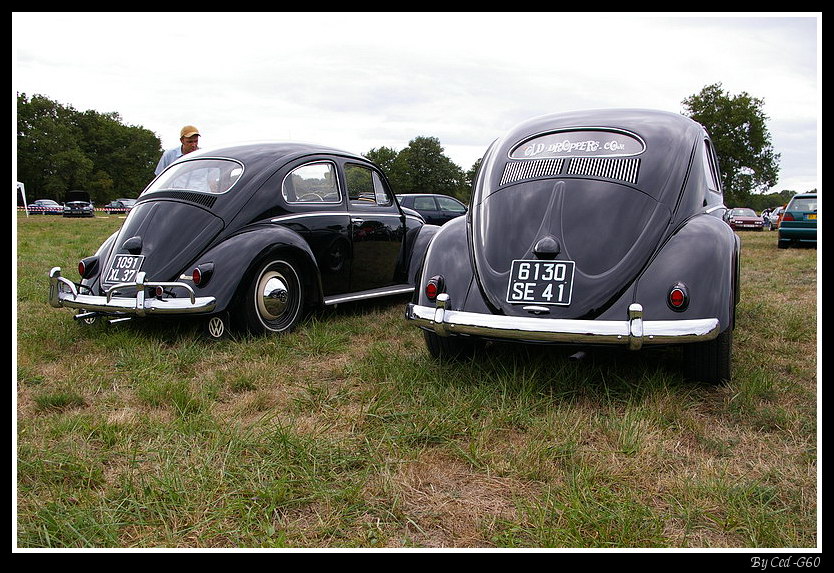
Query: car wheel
x=449 y=347
x=274 y=299
x=89 y=320
x=709 y=362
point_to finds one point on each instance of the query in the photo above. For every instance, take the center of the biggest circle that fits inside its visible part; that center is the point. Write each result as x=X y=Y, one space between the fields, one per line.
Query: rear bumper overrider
x=633 y=332
x=65 y=293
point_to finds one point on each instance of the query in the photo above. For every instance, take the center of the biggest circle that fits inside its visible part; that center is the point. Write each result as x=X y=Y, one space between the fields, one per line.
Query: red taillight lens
x=678 y=298
x=434 y=287
x=787 y=217
x=202 y=273
x=87 y=267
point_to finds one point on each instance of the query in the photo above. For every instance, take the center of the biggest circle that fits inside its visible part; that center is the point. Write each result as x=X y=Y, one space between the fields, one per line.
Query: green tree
x=50 y=160
x=737 y=126
x=384 y=157
x=123 y=157
x=422 y=167
x=60 y=149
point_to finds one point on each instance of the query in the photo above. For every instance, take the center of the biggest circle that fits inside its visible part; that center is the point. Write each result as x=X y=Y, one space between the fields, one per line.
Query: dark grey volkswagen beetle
x=589 y=228
x=253 y=235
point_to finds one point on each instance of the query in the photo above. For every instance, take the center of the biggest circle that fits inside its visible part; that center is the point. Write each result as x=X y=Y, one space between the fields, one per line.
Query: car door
x=315 y=203
x=377 y=228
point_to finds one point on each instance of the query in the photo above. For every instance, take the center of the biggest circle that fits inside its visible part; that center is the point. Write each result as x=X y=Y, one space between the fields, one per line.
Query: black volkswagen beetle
x=589 y=228
x=252 y=235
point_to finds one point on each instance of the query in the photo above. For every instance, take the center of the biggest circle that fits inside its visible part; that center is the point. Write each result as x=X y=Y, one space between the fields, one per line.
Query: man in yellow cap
x=189 y=137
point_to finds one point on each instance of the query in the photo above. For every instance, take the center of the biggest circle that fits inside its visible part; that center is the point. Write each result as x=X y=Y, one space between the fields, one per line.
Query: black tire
x=449 y=347
x=274 y=299
x=88 y=321
x=709 y=362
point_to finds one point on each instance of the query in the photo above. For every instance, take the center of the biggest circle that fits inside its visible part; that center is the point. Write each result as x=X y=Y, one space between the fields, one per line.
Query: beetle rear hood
x=609 y=230
x=169 y=234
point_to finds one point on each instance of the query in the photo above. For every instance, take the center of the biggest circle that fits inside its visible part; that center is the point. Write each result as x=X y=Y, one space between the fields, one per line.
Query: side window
x=424 y=203
x=711 y=168
x=448 y=204
x=365 y=187
x=312 y=183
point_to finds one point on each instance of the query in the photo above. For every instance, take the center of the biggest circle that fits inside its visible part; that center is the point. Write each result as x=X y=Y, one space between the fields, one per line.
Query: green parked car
x=799 y=222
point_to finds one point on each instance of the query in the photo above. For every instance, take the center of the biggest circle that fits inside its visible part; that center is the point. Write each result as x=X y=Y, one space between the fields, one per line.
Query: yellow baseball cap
x=188 y=131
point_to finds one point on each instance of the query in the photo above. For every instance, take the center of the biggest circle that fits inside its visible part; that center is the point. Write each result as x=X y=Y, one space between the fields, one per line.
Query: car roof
x=424 y=195
x=260 y=154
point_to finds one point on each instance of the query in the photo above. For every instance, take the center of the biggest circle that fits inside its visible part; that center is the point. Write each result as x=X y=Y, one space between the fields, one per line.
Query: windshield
x=743 y=213
x=214 y=176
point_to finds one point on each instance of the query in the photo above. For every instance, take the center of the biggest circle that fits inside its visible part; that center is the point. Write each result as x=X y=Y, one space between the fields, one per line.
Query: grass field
x=345 y=434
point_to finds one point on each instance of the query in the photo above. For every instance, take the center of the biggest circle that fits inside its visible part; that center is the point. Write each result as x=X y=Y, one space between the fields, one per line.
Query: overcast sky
x=364 y=80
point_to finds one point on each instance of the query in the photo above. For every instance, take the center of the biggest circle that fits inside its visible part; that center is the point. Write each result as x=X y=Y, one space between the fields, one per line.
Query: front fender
x=235 y=260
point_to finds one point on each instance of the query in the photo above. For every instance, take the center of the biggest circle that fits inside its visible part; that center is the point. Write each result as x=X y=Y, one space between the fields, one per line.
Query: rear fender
x=447 y=255
x=704 y=256
x=236 y=260
x=101 y=253
x=417 y=247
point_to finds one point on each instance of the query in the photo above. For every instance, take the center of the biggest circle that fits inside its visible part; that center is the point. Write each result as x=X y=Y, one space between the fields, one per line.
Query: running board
x=366 y=294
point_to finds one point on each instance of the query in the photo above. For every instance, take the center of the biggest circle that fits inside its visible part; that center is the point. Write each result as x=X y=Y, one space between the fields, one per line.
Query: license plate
x=812 y=216
x=541 y=282
x=124 y=269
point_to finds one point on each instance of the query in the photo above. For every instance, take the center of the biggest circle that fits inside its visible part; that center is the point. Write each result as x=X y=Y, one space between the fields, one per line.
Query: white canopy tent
x=21 y=189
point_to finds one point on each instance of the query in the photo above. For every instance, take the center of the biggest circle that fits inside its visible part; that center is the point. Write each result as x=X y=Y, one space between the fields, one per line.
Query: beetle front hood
x=608 y=231
x=169 y=235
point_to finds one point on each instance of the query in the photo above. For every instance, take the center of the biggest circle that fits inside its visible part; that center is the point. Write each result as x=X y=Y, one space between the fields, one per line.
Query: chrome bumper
x=64 y=293
x=633 y=332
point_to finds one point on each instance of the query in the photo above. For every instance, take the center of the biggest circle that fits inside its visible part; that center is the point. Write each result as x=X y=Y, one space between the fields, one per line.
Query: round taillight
x=87 y=267
x=678 y=297
x=202 y=273
x=434 y=287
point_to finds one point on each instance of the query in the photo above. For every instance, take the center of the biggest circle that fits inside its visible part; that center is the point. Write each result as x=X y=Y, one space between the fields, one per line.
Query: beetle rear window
x=214 y=176
x=581 y=142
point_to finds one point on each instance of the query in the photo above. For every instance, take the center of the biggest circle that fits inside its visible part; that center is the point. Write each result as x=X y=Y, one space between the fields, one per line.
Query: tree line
x=60 y=149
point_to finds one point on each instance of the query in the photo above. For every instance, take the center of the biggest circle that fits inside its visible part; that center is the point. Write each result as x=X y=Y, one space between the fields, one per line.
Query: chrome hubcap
x=273 y=296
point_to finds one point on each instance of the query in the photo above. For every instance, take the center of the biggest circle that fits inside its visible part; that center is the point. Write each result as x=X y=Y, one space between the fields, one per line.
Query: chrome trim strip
x=291 y=216
x=633 y=332
x=64 y=293
x=376 y=293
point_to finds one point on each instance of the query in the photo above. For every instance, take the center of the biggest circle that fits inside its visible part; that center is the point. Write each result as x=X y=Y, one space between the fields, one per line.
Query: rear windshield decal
x=584 y=143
